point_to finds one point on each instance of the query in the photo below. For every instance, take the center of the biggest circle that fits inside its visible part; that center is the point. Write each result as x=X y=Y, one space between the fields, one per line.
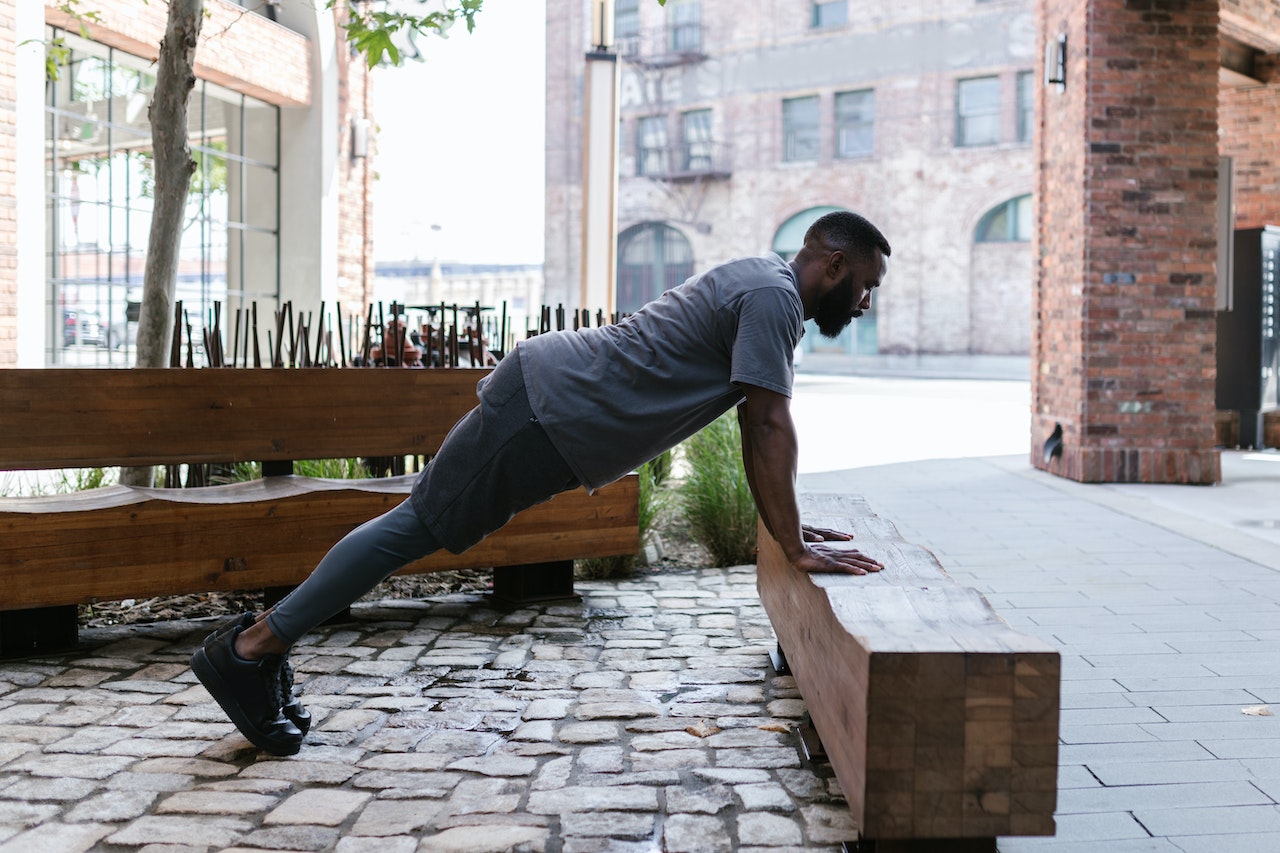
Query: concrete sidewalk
x=918 y=366
x=647 y=717
x=1165 y=603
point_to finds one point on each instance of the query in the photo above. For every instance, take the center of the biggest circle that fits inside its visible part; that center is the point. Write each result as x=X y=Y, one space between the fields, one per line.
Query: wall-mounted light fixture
x=1055 y=62
x=359 y=137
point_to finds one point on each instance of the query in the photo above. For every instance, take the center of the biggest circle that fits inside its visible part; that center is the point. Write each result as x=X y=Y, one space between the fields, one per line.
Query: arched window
x=1009 y=222
x=790 y=235
x=652 y=258
x=861 y=336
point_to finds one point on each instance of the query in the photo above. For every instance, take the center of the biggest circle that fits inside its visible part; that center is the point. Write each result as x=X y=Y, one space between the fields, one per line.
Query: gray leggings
x=360 y=561
x=495 y=462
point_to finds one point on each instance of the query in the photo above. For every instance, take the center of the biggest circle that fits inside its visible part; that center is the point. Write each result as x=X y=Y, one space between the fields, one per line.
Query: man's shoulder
x=767 y=267
x=762 y=272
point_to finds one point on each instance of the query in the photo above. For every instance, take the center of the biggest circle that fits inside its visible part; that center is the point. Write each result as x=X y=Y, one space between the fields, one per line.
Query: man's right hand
x=826 y=559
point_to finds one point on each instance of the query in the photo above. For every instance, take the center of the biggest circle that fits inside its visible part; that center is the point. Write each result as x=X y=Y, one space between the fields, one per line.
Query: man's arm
x=769 y=453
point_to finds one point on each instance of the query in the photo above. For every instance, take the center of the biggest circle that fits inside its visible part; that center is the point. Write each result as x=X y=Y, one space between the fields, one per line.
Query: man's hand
x=822 y=558
x=822 y=534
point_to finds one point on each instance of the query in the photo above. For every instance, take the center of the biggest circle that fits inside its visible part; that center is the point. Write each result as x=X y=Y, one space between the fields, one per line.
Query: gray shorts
x=494 y=463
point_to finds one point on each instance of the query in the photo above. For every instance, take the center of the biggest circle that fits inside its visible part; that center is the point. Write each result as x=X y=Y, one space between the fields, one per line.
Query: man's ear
x=835 y=264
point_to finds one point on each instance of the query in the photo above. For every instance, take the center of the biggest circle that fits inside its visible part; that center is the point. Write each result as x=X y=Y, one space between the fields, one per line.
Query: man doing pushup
x=583 y=408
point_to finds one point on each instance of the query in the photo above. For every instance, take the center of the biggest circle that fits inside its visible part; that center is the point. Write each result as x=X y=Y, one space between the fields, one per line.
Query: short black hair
x=848 y=232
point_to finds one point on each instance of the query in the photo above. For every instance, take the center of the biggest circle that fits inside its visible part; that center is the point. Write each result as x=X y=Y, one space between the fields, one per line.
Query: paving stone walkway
x=1165 y=604
x=646 y=717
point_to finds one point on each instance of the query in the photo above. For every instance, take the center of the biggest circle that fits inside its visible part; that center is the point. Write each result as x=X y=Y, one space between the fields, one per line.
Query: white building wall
x=29 y=127
x=309 y=151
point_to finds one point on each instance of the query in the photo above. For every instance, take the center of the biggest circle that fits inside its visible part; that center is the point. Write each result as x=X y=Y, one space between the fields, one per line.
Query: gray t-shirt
x=612 y=398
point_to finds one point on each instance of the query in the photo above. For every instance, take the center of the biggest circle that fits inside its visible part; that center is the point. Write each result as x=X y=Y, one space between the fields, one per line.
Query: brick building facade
x=357 y=153
x=741 y=122
x=272 y=119
x=1121 y=189
x=1127 y=239
x=1247 y=130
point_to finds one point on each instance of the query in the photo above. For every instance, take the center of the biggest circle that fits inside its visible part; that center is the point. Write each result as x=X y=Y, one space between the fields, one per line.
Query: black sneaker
x=244 y=620
x=293 y=709
x=248 y=691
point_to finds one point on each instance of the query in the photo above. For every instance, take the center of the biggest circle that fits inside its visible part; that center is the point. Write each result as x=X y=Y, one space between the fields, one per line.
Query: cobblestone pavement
x=646 y=717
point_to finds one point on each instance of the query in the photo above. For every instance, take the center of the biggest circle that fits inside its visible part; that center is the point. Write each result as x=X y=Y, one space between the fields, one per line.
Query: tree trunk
x=175 y=78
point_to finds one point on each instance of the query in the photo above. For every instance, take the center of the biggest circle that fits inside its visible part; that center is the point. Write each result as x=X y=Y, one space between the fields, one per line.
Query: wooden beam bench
x=939 y=720
x=128 y=542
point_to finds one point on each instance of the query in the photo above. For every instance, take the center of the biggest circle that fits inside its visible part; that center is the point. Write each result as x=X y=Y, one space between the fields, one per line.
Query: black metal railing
x=674 y=43
x=684 y=161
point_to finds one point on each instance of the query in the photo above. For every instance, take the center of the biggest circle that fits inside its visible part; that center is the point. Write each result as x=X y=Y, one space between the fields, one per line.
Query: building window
x=1009 y=222
x=1026 y=106
x=855 y=123
x=101 y=193
x=685 y=25
x=651 y=146
x=695 y=134
x=800 y=129
x=831 y=13
x=978 y=111
x=652 y=259
x=626 y=26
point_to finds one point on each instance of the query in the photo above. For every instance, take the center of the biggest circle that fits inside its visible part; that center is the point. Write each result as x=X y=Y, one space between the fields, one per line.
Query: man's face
x=850 y=296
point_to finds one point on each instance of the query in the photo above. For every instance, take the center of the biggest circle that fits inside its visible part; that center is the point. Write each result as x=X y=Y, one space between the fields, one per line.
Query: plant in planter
x=653 y=499
x=715 y=495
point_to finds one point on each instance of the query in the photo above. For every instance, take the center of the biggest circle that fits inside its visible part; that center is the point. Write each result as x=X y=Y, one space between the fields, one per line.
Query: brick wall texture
x=1255 y=22
x=1124 y=290
x=1247 y=116
x=355 y=178
x=240 y=50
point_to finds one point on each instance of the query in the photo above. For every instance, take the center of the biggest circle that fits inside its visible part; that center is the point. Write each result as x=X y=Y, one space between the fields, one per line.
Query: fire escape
x=692 y=154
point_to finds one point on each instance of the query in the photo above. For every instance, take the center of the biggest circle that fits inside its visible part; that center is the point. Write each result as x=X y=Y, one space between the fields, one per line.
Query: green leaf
x=371 y=32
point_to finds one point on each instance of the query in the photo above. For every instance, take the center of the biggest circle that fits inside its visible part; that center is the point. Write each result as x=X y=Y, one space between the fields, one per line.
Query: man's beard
x=835 y=310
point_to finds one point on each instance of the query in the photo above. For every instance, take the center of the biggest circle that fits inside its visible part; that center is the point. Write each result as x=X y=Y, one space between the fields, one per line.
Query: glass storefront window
x=101 y=190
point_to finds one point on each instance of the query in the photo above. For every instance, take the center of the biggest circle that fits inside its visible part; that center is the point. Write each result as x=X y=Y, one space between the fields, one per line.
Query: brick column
x=1123 y=342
